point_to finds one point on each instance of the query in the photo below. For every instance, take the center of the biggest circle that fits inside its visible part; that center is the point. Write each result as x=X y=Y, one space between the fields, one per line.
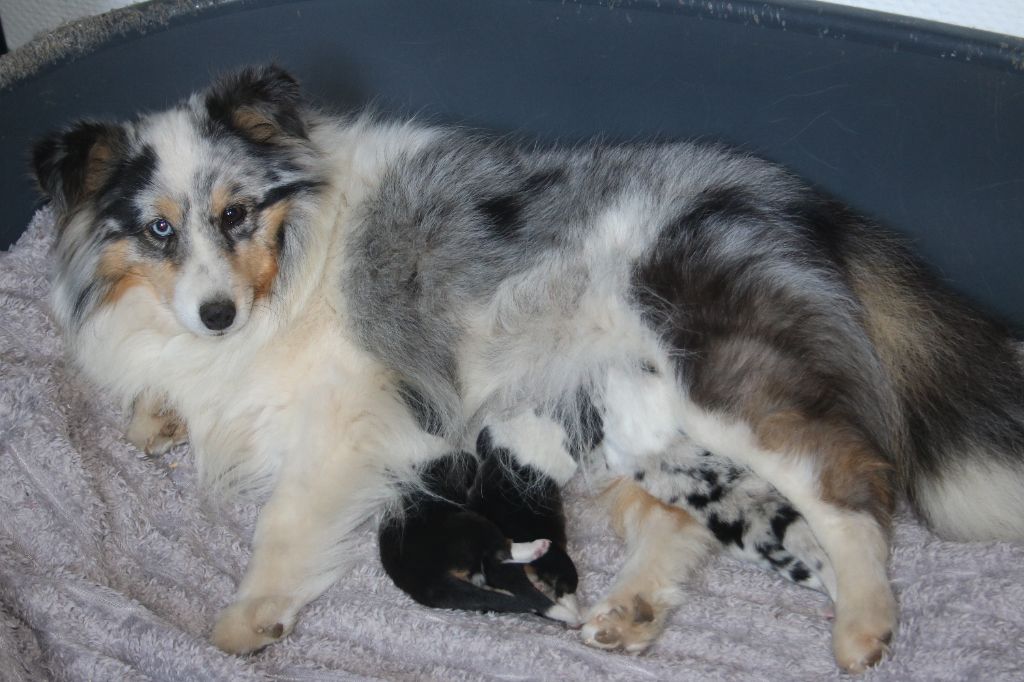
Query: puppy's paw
x=155 y=432
x=525 y=552
x=250 y=624
x=566 y=609
x=860 y=639
x=630 y=622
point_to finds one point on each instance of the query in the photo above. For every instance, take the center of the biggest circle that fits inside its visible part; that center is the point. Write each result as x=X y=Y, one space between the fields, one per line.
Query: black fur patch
x=769 y=552
x=708 y=476
x=82 y=300
x=503 y=214
x=282 y=192
x=726 y=531
x=281 y=237
x=544 y=180
x=718 y=203
x=701 y=500
x=782 y=519
x=799 y=573
x=267 y=90
x=129 y=178
x=825 y=221
x=61 y=161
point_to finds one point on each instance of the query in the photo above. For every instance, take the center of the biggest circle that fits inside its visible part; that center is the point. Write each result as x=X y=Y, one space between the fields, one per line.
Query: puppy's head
x=199 y=205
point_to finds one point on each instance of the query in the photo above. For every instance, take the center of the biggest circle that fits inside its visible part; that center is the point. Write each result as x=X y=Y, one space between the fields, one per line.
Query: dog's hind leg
x=664 y=545
x=842 y=486
x=844 y=491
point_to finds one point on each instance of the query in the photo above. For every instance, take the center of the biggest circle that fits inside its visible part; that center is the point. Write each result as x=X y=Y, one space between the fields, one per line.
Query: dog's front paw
x=861 y=636
x=155 y=431
x=630 y=622
x=251 y=624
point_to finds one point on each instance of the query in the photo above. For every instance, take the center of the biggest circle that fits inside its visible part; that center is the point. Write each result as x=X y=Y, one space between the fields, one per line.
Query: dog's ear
x=72 y=165
x=263 y=104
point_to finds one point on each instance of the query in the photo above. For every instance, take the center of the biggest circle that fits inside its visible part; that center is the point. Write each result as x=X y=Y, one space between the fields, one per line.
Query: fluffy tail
x=959 y=380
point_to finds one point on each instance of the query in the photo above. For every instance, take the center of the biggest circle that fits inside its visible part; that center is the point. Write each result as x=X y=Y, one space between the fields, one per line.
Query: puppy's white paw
x=251 y=624
x=566 y=609
x=629 y=621
x=525 y=552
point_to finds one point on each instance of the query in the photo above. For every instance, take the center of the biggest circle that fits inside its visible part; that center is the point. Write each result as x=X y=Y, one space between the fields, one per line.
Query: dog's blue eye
x=161 y=229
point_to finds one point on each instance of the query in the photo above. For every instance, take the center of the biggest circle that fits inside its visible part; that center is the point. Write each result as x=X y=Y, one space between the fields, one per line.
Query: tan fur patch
x=643 y=612
x=122 y=271
x=852 y=473
x=256 y=260
x=98 y=166
x=169 y=210
x=220 y=199
x=909 y=334
x=273 y=219
x=629 y=503
x=256 y=263
x=254 y=124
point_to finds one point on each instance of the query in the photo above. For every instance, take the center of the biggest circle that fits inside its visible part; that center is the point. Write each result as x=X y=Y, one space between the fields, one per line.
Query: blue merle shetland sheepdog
x=266 y=277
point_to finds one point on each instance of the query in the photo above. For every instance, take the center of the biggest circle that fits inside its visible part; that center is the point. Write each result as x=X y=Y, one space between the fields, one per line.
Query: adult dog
x=278 y=281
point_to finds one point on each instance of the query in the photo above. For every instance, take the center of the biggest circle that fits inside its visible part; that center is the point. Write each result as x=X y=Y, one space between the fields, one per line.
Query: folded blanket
x=113 y=567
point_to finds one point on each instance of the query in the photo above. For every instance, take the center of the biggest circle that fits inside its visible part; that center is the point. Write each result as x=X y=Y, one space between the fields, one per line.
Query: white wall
x=22 y=19
x=998 y=16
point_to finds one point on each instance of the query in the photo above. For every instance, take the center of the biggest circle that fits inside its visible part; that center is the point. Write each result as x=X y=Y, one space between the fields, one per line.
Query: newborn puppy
x=525 y=504
x=443 y=552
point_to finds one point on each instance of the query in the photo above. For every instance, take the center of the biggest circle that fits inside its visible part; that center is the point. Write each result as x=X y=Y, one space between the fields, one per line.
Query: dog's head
x=198 y=203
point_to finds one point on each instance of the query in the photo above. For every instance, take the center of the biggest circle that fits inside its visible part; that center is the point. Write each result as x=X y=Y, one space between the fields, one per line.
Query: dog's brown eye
x=232 y=215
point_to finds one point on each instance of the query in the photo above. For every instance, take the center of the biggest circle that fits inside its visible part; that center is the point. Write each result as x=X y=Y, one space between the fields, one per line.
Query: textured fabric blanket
x=113 y=567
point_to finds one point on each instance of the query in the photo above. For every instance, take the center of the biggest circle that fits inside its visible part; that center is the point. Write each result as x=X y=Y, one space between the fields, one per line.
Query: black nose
x=217 y=315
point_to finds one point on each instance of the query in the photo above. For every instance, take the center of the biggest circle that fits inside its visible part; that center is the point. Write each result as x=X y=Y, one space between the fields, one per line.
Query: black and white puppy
x=525 y=503
x=482 y=536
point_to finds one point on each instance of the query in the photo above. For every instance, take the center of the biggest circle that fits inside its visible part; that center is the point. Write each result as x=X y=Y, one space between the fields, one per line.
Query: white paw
x=251 y=624
x=155 y=434
x=525 y=552
x=861 y=636
x=567 y=610
x=630 y=622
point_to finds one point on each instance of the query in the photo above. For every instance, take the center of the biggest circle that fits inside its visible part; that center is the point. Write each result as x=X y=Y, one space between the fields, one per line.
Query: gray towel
x=113 y=567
